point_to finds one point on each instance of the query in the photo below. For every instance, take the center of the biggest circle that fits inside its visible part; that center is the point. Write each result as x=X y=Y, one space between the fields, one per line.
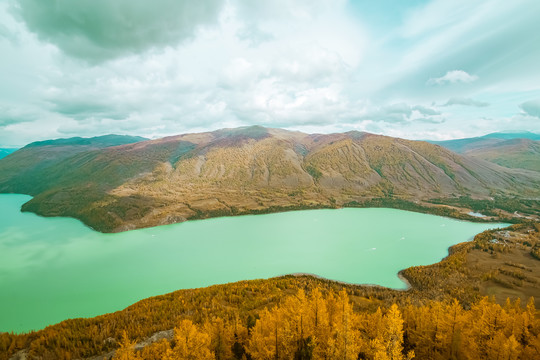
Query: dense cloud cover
x=420 y=69
x=97 y=30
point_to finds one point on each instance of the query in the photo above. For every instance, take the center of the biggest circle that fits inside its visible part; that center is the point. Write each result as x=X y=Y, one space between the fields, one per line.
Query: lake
x=52 y=269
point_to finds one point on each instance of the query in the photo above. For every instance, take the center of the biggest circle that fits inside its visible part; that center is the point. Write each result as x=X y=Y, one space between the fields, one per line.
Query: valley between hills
x=118 y=183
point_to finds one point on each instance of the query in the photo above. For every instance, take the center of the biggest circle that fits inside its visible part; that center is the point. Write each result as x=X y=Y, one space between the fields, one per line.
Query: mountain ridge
x=6 y=151
x=96 y=141
x=248 y=170
x=466 y=144
x=511 y=150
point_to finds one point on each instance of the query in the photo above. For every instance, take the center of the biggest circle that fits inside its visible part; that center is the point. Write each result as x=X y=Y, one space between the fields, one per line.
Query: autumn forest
x=318 y=324
x=326 y=327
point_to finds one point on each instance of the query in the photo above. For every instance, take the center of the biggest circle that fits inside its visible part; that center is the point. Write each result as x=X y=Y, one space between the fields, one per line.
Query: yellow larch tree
x=160 y=350
x=267 y=336
x=126 y=351
x=221 y=338
x=318 y=325
x=190 y=343
x=389 y=345
x=345 y=342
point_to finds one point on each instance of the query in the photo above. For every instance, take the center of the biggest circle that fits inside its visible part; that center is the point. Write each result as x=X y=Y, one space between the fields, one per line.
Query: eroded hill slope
x=249 y=170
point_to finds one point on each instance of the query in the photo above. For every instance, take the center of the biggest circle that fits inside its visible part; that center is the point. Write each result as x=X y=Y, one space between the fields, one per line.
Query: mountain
x=463 y=145
x=97 y=142
x=512 y=150
x=6 y=151
x=245 y=170
x=515 y=153
x=514 y=135
x=26 y=165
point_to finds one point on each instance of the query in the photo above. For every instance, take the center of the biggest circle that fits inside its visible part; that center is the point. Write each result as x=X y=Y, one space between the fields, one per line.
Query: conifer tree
x=191 y=344
x=389 y=344
x=126 y=351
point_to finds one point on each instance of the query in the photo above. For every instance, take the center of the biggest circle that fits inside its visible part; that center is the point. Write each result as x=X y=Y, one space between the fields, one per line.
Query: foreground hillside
x=442 y=316
x=253 y=170
x=324 y=324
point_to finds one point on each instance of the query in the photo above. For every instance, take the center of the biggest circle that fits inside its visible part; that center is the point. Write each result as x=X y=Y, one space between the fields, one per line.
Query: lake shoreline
x=354 y=246
x=446 y=208
x=300 y=274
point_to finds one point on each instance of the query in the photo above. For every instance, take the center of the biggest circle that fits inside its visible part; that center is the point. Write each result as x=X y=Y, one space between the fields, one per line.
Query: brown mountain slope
x=250 y=170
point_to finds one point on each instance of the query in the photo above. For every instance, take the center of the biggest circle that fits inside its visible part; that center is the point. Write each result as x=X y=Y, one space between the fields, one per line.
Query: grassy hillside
x=244 y=171
x=468 y=144
x=511 y=150
x=515 y=153
x=30 y=169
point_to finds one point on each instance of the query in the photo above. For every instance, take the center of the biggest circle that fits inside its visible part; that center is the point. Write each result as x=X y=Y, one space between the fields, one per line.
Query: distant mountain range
x=463 y=145
x=513 y=150
x=74 y=145
x=117 y=183
x=6 y=151
x=37 y=157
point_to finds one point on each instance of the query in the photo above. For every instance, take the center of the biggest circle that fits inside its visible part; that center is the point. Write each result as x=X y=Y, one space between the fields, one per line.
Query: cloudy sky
x=417 y=69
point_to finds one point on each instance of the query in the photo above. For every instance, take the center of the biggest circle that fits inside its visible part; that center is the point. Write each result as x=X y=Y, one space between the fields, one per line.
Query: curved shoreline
x=299 y=274
x=356 y=272
x=425 y=207
x=401 y=273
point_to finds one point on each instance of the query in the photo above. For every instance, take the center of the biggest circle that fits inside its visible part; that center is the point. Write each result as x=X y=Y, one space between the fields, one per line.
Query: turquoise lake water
x=52 y=269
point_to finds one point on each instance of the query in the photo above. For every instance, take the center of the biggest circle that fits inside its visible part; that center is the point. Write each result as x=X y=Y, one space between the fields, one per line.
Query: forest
x=327 y=327
x=318 y=321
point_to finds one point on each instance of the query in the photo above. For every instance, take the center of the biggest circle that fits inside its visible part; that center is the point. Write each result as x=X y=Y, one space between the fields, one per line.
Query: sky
x=418 y=69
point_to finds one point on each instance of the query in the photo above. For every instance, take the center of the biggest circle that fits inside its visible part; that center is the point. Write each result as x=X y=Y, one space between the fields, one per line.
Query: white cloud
x=402 y=113
x=13 y=115
x=465 y=102
x=424 y=110
x=98 y=30
x=452 y=77
x=311 y=65
x=531 y=107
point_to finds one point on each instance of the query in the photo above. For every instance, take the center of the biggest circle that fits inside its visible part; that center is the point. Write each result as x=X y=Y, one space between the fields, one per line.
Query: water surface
x=52 y=269
x=476 y=214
